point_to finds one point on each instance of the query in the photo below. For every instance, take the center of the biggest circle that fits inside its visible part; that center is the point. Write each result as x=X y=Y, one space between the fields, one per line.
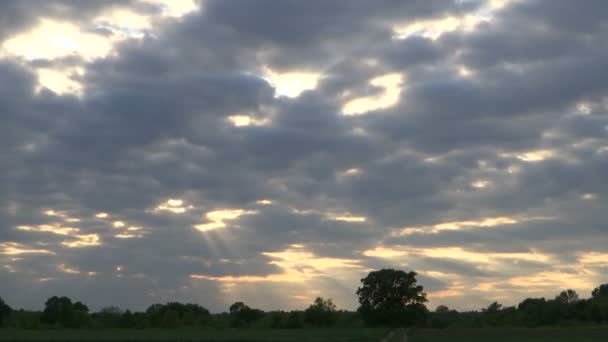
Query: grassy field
x=582 y=334
x=267 y=335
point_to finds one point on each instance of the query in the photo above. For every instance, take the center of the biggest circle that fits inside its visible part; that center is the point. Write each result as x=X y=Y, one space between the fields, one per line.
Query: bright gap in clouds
x=52 y=39
x=391 y=85
x=433 y=29
x=217 y=218
x=291 y=84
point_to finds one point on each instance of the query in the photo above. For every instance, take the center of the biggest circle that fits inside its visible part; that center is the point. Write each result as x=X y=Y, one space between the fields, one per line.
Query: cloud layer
x=272 y=151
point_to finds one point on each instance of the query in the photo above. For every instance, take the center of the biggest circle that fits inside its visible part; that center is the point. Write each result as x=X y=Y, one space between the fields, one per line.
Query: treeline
x=566 y=309
x=387 y=298
x=62 y=312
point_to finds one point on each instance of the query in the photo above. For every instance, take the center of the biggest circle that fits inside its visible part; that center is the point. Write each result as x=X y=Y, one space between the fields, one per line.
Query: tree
x=391 y=297
x=241 y=314
x=127 y=320
x=109 y=317
x=61 y=311
x=494 y=307
x=442 y=309
x=5 y=311
x=567 y=297
x=321 y=312
x=601 y=291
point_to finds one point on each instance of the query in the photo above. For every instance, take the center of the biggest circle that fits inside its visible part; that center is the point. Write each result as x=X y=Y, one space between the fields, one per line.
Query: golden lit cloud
x=461 y=254
x=552 y=280
x=118 y=224
x=434 y=28
x=173 y=205
x=352 y=172
x=535 y=156
x=297 y=265
x=391 y=83
x=123 y=18
x=384 y=252
x=47 y=228
x=127 y=236
x=52 y=39
x=59 y=82
x=347 y=217
x=67 y=269
x=263 y=202
x=457 y=253
x=175 y=8
x=14 y=248
x=451 y=291
x=83 y=240
x=588 y=196
x=593 y=259
x=487 y=222
x=217 y=218
x=481 y=184
x=247 y=120
x=101 y=215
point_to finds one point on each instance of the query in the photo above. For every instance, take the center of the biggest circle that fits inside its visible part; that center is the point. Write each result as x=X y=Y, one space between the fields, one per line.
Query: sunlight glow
x=551 y=280
x=434 y=28
x=481 y=184
x=459 y=225
x=53 y=39
x=84 y=240
x=391 y=83
x=127 y=236
x=594 y=259
x=175 y=8
x=297 y=264
x=101 y=215
x=58 y=82
x=531 y=156
x=384 y=252
x=175 y=206
x=291 y=84
x=588 y=196
x=535 y=156
x=246 y=120
x=47 y=228
x=346 y=217
x=217 y=218
x=14 y=248
x=457 y=253
x=67 y=269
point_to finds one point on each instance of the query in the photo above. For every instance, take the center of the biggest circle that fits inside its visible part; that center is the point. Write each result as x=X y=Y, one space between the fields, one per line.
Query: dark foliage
x=242 y=315
x=392 y=298
x=5 y=311
x=387 y=297
x=62 y=312
x=321 y=313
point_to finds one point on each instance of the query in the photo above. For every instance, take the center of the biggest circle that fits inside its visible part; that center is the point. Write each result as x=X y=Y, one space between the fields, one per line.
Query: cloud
x=482 y=164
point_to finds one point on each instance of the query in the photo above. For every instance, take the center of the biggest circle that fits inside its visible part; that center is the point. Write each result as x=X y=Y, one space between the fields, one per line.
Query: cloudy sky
x=274 y=151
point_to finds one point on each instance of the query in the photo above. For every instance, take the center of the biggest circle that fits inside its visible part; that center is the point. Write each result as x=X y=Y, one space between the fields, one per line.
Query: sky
x=275 y=151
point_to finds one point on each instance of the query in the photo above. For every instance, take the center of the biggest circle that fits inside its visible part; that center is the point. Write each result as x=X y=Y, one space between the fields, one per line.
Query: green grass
x=267 y=335
x=578 y=334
